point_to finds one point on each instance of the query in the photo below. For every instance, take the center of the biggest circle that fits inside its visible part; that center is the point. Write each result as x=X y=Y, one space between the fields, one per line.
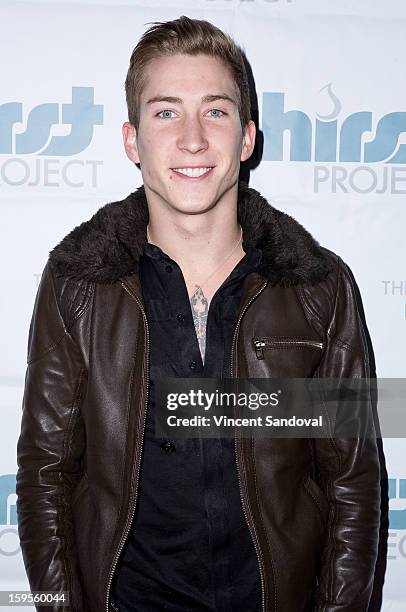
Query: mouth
x=193 y=174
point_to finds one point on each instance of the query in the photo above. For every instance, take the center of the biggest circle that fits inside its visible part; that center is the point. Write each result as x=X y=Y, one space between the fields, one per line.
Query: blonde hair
x=188 y=37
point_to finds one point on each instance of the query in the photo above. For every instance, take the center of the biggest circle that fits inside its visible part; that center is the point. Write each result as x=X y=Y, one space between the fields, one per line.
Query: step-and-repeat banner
x=330 y=97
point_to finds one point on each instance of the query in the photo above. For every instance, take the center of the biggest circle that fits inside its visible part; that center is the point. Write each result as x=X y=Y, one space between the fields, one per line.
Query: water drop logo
x=336 y=104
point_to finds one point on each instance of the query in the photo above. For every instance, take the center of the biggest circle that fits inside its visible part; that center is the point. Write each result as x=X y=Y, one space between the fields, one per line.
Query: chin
x=191 y=208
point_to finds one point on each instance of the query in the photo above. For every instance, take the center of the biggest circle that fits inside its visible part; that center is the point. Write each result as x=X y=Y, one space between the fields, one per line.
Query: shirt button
x=180 y=318
x=168 y=268
x=168 y=446
x=193 y=365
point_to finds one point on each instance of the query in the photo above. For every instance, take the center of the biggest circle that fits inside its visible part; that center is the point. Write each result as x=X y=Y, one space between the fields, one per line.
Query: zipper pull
x=259 y=348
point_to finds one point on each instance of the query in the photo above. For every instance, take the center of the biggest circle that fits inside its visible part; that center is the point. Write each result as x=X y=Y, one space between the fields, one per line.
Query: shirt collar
x=251 y=260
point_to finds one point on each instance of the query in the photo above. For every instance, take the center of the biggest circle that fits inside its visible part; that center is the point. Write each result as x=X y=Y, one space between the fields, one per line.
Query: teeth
x=192 y=171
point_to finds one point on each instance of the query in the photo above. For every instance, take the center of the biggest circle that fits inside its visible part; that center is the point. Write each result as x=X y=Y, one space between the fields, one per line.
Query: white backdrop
x=329 y=79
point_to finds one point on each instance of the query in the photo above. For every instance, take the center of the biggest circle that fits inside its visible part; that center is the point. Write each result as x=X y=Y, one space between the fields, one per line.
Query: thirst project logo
x=29 y=138
x=9 y=541
x=352 y=153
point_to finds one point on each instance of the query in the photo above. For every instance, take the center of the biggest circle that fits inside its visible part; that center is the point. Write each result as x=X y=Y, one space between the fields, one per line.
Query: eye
x=216 y=110
x=164 y=111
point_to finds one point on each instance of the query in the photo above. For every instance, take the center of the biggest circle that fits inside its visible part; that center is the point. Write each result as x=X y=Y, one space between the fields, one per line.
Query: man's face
x=188 y=129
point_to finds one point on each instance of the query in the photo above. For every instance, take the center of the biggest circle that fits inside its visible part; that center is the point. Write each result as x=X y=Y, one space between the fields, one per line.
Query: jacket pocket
x=262 y=344
x=319 y=499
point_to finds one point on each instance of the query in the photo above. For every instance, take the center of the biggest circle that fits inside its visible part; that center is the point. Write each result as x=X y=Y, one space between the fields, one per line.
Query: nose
x=192 y=137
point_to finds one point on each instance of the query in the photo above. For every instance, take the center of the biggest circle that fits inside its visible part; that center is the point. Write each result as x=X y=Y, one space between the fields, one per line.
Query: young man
x=181 y=279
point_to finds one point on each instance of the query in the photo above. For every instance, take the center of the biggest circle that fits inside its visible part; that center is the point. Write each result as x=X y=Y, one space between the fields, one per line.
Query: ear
x=248 y=140
x=130 y=142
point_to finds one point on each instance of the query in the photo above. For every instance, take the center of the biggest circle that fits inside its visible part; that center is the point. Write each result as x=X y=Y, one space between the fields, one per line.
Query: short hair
x=188 y=37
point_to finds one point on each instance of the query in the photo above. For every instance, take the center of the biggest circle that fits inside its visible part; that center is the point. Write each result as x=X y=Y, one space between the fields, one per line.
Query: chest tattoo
x=200 y=307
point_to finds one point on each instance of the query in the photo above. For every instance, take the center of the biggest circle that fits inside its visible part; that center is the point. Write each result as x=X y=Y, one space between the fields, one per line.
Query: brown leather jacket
x=312 y=505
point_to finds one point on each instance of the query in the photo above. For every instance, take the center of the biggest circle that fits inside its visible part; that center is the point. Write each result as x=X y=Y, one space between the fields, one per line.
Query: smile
x=193 y=173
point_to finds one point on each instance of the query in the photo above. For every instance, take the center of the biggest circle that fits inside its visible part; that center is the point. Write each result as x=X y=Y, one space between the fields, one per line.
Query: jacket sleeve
x=348 y=469
x=49 y=451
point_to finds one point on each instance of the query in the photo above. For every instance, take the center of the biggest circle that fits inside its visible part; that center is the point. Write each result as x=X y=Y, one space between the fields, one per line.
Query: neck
x=197 y=242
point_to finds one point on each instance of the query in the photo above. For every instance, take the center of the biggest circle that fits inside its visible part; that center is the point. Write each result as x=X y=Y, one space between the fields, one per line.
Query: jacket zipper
x=251 y=525
x=132 y=511
x=260 y=345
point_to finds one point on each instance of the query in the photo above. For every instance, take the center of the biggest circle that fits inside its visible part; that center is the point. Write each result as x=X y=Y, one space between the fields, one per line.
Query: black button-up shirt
x=189 y=548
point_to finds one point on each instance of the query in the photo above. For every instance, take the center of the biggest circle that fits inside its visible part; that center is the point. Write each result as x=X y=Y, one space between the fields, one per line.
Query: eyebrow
x=208 y=98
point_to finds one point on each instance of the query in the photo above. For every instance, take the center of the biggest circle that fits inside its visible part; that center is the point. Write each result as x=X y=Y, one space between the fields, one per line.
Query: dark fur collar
x=108 y=246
